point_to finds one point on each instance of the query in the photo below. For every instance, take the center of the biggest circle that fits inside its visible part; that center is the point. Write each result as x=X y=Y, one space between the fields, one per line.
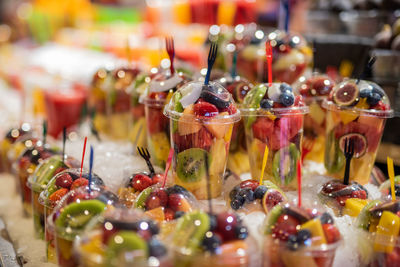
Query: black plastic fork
x=144 y=153
x=169 y=44
x=348 y=153
x=212 y=56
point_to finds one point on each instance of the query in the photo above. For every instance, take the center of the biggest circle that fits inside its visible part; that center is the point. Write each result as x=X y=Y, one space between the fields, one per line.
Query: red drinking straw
x=169 y=161
x=299 y=181
x=83 y=155
x=268 y=52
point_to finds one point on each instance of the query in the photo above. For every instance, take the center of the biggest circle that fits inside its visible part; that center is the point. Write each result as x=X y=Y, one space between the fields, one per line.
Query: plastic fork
x=348 y=153
x=169 y=44
x=307 y=146
x=212 y=55
x=144 y=153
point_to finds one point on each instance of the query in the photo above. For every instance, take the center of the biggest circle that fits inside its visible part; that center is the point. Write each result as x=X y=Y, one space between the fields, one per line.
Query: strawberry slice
x=79 y=182
x=332 y=234
x=205 y=109
x=263 y=128
x=56 y=196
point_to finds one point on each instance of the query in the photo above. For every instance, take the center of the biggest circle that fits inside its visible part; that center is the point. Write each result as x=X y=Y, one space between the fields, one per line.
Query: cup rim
x=288 y=111
x=329 y=105
x=306 y=249
x=190 y=118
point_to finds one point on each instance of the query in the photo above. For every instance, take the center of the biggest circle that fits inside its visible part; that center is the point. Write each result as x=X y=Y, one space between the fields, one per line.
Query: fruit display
x=201 y=121
x=249 y=196
x=291 y=56
x=381 y=219
x=206 y=239
x=344 y=199
x=385 y=190
x=77 y=209
x=37 y=182
x=314 y=90
x=57 y=187
x=273 y=116
x=159 y=92
x=165 y=203
x=296 y=236
x=356 y=111
x=26 y=165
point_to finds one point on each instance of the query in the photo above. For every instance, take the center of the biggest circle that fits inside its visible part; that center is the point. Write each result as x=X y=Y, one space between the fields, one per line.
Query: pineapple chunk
x=353 y=206
x=317 y=233
x=317 y=113
x=387 y=232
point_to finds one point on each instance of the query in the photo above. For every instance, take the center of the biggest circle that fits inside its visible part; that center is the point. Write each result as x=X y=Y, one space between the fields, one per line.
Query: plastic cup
x=195 y=138
x=48 y=202
x=76 y=210
x=37 y=182
x=360 y=122
x=281 y=129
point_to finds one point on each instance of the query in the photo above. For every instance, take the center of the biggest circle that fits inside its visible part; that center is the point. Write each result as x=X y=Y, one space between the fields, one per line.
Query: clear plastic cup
x=356 y=110
x=385 y=189
x=159 y=92
x=205 y=135
x=73 y=213
x=277 y=126
x=97 y=99
x=314 y=90
x=52 y=195
x=126 y=237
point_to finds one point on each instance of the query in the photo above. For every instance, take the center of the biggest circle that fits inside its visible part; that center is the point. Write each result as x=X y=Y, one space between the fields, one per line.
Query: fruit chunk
x=218 y=129
x=285 y=164
x=317 y=113
x=156 y=214
x=190 y=165
x=142 y=197
x=212 y=94
x=218 y=156
x=387 y=232
x=187 y=124
x=272 y=198
x=353 y=206
x=346 y=94
x=56 y=196
x=315 y=227
x=360 y=143
x=125 y=241
x=205 y=109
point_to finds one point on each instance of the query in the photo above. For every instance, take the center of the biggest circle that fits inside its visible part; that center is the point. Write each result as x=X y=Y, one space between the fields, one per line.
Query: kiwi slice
x=179 y=108
x=190 y=165
x=142 y=197
x=125 y=241
x=274 y=214
x=252 y=100
x=47 y=170
x=285 y=167
x=334 y=158
x=190 y=231
x=364 y=217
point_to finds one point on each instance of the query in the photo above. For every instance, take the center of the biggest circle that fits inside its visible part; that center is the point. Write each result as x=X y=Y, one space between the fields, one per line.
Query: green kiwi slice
x=142 y=197
x=274 y=214
x=252 y=100
x=364 y=218
x=285 y=167
x=179 y=108
x=190 y=165
x=125 y=241
x=334 y=158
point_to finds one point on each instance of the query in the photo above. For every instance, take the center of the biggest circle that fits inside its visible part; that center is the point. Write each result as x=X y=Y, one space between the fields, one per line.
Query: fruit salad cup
x=299 y=237
x=26 y=166
x=159 y=92
x=59 y=186
x=273 y=116
x=97 y=99
x=356 y=110
x=126 y=238
x=249 y=196
x=344 y=199
x=381 y=221
x=314 y=90
x=213 y=240
x=37 y=182
x=75 y=211
x=201 y=122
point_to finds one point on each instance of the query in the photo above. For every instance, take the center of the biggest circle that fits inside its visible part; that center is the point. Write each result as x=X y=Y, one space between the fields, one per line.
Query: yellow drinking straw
x=391 y=176
x=264 y=163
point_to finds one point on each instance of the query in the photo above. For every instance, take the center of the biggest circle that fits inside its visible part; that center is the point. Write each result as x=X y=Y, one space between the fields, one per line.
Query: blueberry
x=156 y=248
x=241 y=232
x=237 y=203
x=285 y=88
x=378 y=90
x=303 y=236
x=247 y=194
x=266 y=103
x=287 y=99
x=373 y=98
x=176 y=189
x=213 y=222
x=260 y=191
x=234 y=192
x=179 y=214
x=326 y=218
x=211 y=241
x=293 y=242
x=153 y=227
x=365 y=93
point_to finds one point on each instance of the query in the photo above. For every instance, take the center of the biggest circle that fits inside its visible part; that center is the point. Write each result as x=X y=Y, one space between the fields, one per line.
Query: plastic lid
x=180 y=107
x=237 y=86
x=318 y=85
x=362 y=97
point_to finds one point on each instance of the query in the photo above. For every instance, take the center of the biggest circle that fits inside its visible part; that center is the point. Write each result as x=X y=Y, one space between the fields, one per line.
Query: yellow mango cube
x=317 y=233
x=387 y=232
x=353 y=206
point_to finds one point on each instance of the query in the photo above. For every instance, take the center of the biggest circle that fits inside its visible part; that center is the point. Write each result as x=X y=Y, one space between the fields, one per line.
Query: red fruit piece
x=64 y=181
x=79 y=182
x=158 y=178
x=156 y=121
x=177 y=202
x=393 y=258
x=158 y=198
x=361 y=194
x=298 y=101
x=59 y=170
x=273 y=198
x=202 y=139
x=263 y=128
x=226 y=223
x=332 y=234
x=56 y=196
x=141 y=182
x=253 y=184
x=342 y=200
x=205 y=109
x=231 y=109
x=285 y=226
x=169 y=214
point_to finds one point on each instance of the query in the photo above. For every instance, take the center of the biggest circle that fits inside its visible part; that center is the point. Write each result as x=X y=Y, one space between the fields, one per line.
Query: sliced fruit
x=347 y=116
x=160 y=146
x=187 y=124
x=123 y=242
x=253 y=99
x=284 y=166
x=156 y=214
x=205 y=109
x=353 y=206
x=142 y=197
x=334 y=158
x=190 y=165
x=365 y=217
x=387 y=232
x=273 y=216
x=218 y=156
x=317 y=113
x=218 y=129
x=178 y=202
x=272 y=198
x=262 y=128
x=317 y=233
x=360 y=143
x=346 y=95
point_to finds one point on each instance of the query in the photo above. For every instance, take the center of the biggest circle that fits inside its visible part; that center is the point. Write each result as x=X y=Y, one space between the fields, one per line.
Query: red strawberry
x=361 y=194
x=56 y=196
x=141 y=182
x=262 y=128
x=205 y=109
x=158 y=178
x=169 y=214
x=253 y=184
x=285 y=226
x=231 y=109
x=381 y=106
x=79 y=182
x=158 y=198
x=202 y=139
x=64 y=181
x=298 y=101
x=332 y=234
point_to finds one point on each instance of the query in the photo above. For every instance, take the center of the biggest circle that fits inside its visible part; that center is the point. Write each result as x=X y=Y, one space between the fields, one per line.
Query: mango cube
x=387 y=232
x=317 y=233
x=353 y=206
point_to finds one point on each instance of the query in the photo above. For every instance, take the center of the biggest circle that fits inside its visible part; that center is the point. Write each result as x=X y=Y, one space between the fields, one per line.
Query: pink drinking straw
x=299 y=181
x=83 y=155
x=169 y=161
x=268 y=52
